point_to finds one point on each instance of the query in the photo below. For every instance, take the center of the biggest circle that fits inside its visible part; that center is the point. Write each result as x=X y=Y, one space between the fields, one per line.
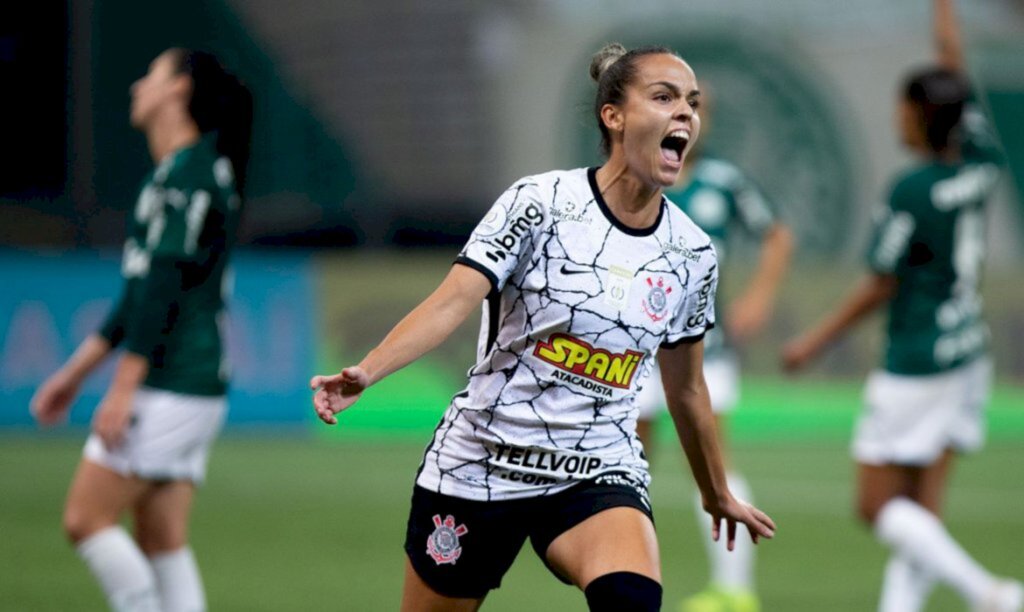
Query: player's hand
x=112 y=418
x=52 y=401
x=734 y=512
x=796 y=354
x=336 y=393
x=747 y=316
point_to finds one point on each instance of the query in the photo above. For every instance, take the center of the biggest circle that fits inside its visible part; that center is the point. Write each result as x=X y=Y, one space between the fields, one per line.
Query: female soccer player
x=154 y=427
x=584 y=274
x=926 y=403
x=720 y=200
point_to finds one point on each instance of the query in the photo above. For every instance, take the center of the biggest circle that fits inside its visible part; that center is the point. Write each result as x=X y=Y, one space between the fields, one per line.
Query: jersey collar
x=632 y=231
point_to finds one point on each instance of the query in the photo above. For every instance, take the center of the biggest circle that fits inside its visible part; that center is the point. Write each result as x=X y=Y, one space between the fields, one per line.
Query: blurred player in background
x=152 y=432
x=585 y=274
x=927 y=403
x=720 y=200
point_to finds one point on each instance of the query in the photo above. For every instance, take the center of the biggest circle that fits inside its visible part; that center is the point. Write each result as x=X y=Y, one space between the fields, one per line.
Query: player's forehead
x=163 y=62
x=665 y=69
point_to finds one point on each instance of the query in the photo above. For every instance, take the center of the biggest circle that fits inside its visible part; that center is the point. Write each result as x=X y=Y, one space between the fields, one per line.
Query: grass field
x=304 y=523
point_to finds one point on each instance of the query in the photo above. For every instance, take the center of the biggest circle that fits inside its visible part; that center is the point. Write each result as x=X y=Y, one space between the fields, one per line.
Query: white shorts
x=912 y=420
x=169 y=437
x=723 y=378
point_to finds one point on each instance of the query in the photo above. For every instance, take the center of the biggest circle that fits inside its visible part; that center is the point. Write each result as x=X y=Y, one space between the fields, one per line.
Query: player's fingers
x=109 y=437
x=319 y=403
x=326 y=415
x=715 y=528
x=765 y=525
x=321 y=380
x=731 y=536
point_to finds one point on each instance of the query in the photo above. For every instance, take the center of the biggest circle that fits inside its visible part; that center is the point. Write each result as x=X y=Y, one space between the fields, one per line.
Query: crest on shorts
x=655 y=304
x=443 y=544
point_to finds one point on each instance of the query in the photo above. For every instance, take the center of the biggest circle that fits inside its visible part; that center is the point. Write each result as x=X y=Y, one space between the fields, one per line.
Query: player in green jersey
x=927 y=401
x=152 y=431
x=722 y=201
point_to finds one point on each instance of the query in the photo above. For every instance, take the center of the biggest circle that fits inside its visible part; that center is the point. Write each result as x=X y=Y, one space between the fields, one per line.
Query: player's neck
x=628 y=198
x=169 y=135
x=949 y=155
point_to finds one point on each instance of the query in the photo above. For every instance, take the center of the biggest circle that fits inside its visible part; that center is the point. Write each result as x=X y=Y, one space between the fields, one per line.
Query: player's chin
x=665 y=171
x=666 y=176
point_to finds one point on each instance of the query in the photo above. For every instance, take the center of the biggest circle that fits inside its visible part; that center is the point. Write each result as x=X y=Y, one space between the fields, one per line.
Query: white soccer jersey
x=579 y=307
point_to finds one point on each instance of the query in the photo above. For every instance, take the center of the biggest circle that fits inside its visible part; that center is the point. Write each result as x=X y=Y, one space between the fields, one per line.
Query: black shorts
x=462 y=548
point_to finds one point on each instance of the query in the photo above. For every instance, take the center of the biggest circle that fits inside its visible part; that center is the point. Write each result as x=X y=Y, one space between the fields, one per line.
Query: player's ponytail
x=613 y=68
x=939 y=95
x=220 y=103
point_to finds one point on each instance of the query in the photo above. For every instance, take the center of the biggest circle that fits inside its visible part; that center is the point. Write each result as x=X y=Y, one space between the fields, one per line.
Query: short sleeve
x=696 y=314
x=754 y=210
x=507 y=234
x=980 y=142
x=891 y=232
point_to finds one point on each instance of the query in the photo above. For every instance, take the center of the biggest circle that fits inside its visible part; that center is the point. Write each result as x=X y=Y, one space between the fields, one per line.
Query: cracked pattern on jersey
x=583 y=305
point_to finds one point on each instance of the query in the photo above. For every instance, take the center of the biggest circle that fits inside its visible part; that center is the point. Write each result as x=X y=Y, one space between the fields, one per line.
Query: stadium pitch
x=304 y=523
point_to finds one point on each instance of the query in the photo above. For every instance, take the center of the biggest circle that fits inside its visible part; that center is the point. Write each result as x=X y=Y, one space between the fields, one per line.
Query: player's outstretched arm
x=423 y=329
x=749 y=312
x=690 y=406
x=873 y=291
x=52 y=401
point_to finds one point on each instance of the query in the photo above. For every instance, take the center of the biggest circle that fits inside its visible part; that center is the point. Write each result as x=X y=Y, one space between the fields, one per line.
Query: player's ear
x=182 y=85
x=613 y=118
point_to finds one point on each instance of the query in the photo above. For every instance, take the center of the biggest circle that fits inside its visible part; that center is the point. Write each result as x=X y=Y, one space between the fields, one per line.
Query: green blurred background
x=384 y=130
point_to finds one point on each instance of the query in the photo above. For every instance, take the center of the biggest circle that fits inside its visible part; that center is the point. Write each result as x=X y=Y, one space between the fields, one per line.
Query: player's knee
x=79 y=525
x=623 y=592
x=166 y=538
x=867 y=510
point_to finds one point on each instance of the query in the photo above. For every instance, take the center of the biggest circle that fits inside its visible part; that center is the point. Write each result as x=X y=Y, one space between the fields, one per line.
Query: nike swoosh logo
x=566 y=270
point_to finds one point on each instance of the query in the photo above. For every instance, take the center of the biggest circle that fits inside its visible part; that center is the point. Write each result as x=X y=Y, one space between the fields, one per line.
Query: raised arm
x=690 y=406
x=872 y=292
x=949 y=47
x=423 y=329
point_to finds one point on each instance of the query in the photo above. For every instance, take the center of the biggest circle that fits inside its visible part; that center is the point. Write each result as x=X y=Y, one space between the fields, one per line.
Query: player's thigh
x=619 y=539
x=96 y=499
x=162 y=515
x=877 y=484
x=417 y=596
x=929 y=487
x=462 y=548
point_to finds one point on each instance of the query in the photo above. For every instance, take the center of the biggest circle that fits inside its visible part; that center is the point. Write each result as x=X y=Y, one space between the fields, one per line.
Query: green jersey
x=179 y=235
x=720 y=199
x=931 y=237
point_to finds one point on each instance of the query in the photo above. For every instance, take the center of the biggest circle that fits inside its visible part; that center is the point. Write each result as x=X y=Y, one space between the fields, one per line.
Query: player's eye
x=695 y=103
x=662 y=97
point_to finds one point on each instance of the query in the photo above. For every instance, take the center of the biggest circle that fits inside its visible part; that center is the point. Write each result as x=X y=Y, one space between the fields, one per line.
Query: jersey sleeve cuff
x=482 y=269
x=671 y=344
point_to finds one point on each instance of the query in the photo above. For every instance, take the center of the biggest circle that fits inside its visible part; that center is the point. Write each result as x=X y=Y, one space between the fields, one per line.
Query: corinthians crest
x=443 y=544
x=655 y=304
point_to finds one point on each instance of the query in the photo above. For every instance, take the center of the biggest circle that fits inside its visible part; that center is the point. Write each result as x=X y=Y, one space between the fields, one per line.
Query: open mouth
x=673 y=145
